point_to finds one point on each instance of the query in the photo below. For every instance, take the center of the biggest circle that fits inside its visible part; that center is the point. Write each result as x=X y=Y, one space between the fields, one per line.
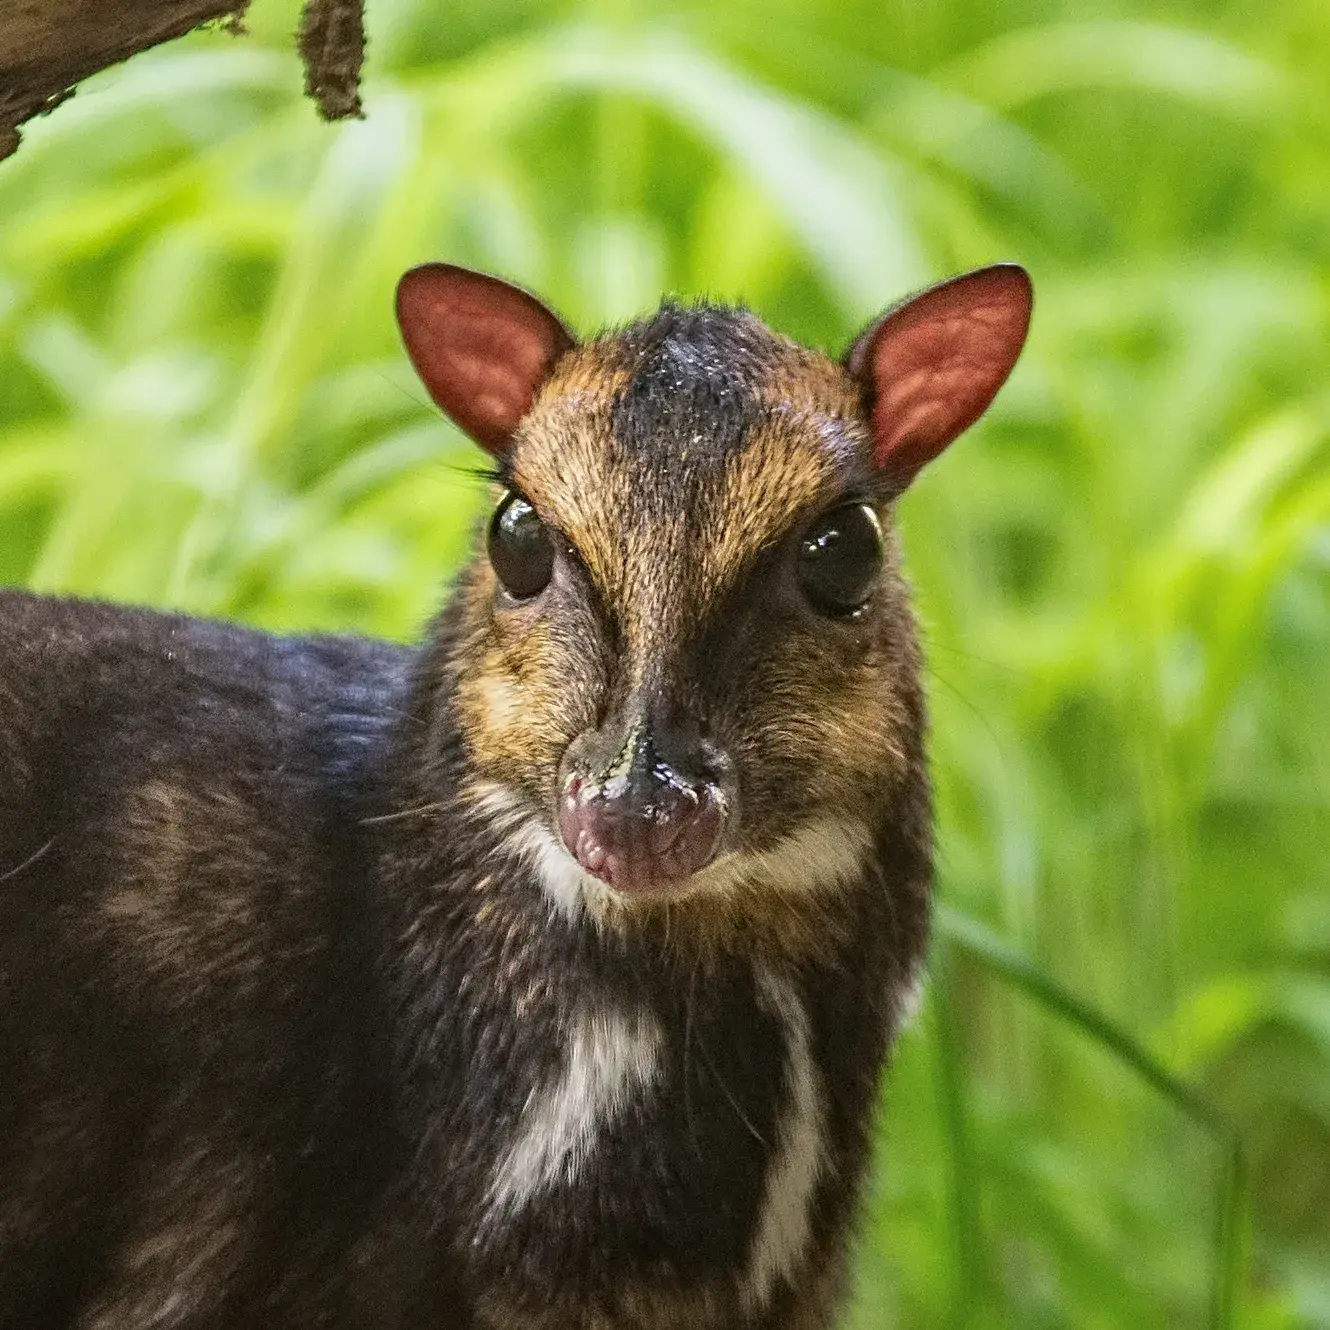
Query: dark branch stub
x=332 y=45
x=49 y=46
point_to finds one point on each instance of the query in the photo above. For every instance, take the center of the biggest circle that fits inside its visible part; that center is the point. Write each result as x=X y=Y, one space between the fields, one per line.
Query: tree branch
x=48 y=46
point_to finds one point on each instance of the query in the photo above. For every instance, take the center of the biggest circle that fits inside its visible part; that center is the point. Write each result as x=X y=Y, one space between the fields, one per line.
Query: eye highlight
x=520 y=548
x=839 y=559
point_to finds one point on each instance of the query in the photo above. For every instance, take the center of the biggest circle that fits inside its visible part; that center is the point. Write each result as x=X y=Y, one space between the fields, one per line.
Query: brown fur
x=194 y=1237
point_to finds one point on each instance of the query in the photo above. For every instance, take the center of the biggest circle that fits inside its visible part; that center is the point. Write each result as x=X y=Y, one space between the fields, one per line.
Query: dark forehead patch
x=695 y=379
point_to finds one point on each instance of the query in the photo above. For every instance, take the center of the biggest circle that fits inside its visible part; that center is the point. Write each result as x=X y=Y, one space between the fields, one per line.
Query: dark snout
x=642 y=810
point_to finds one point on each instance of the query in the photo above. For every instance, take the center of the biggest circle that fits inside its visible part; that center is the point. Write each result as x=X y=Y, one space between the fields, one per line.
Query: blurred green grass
x=1124 y=572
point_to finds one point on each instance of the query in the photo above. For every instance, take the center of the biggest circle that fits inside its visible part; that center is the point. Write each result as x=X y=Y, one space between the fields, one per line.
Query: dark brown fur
x=278 y=988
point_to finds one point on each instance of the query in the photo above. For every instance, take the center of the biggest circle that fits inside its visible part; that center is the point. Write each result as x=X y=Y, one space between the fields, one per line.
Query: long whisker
x=734 y=1103
x=418 y=811
x=28 y=862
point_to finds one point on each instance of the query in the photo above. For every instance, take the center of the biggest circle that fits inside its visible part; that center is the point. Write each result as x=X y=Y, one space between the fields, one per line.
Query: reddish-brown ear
x=931 y=365
x=481 y=347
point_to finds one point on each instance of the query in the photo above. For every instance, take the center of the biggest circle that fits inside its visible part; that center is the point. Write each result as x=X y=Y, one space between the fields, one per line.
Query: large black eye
x=520 y=548
x=840 y=558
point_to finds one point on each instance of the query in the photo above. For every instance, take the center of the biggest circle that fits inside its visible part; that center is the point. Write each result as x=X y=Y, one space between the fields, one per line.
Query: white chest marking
x=611 y=1056
x=781 y=1240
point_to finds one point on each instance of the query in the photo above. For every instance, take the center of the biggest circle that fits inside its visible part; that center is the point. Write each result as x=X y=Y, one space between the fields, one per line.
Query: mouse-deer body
x=541 y=978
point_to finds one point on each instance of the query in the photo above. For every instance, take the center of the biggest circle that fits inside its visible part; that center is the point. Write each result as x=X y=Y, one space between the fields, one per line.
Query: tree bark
x=47 y=46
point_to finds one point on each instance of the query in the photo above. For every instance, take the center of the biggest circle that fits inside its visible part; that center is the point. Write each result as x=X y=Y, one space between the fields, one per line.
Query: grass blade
x=988 y=950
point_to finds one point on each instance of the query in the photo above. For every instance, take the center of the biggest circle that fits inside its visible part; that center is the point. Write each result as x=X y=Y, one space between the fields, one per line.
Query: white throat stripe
x=610 y=1057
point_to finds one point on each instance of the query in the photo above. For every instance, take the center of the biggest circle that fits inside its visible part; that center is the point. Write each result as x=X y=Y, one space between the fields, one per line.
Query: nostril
x=698 y=835
x=663 y=829
x=668 y=813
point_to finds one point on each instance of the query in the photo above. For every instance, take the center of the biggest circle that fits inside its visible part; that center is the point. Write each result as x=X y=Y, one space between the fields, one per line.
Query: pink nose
x=641 y=844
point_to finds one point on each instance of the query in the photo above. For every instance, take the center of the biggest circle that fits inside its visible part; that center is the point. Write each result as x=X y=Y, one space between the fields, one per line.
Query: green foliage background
x=1124 y=571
